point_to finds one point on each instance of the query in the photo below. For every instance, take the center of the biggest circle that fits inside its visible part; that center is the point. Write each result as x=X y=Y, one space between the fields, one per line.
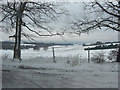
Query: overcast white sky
x=75 y=12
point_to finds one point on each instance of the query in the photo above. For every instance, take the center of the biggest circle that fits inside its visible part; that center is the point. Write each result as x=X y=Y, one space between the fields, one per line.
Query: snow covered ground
x=71 y=70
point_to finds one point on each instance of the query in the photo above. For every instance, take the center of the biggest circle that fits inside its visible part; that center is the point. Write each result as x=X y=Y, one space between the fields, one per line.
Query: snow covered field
x=71 y=70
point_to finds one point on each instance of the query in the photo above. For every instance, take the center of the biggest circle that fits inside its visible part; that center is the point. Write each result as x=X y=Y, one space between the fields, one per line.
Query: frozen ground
x=71 y=70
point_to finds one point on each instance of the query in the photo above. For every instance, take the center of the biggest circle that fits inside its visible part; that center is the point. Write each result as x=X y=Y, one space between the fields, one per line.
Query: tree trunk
x=16 y=41
x=19 y=38
x=17 y=47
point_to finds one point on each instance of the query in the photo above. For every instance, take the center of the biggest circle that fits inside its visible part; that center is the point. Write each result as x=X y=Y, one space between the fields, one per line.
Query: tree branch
x=110 y=13
x=39 y=33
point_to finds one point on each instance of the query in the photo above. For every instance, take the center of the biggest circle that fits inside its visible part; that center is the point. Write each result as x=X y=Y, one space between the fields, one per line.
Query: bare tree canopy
x=99 y=15
x=32 y=16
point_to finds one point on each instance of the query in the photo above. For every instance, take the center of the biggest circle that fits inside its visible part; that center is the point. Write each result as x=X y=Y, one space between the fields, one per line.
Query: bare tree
x=100 y=15
x=25 y=16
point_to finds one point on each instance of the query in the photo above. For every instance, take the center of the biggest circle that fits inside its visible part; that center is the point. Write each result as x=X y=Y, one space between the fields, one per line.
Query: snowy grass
x=71 y=69
x=74 y=64
x=41 y=70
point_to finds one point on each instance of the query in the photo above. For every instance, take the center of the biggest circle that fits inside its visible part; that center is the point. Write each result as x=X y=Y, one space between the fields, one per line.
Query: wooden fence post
x=88 y=55
x=53 y=54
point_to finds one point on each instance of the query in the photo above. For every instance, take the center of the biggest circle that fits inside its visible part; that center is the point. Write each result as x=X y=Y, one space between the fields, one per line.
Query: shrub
x=5 y=56
x=98 y=57
x=112 y=55
x=75 y=62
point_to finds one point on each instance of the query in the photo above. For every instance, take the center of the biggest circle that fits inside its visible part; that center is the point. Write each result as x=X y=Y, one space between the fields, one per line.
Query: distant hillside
x=26 y=45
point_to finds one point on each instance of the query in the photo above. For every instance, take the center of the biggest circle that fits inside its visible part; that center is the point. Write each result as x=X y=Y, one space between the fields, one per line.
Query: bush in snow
x=5 y=56
x=98 y=57
x=112 y=55
x=75 y=62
